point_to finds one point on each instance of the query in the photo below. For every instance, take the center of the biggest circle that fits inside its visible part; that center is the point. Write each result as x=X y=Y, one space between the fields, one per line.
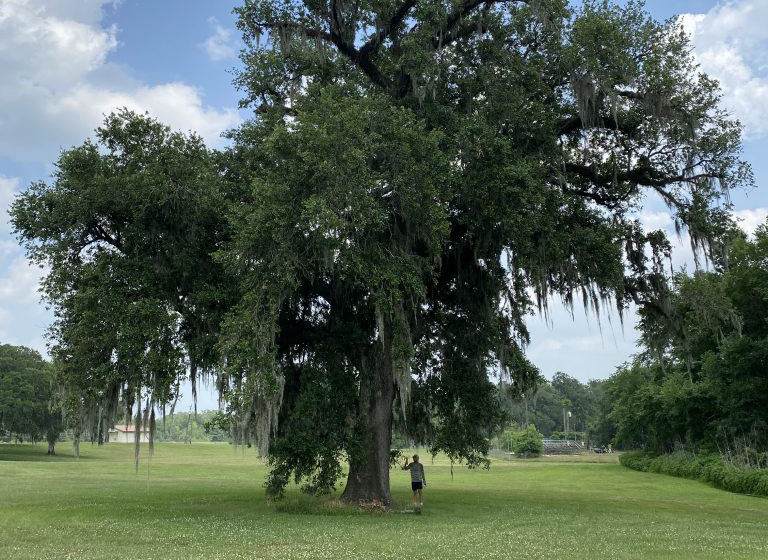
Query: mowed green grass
x=207 y=501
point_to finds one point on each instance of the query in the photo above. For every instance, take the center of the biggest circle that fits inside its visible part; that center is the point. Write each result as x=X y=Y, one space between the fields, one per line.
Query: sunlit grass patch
x=208 y=502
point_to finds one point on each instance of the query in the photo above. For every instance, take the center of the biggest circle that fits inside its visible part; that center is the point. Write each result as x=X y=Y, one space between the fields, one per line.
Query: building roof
x=129 y=428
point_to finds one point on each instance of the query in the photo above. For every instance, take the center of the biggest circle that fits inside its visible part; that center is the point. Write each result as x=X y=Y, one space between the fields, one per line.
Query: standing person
x=418 y=480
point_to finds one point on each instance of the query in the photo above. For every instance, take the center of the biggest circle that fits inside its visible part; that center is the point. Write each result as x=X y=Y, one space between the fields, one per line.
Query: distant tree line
x=31 y=407
x=547 y=407
x=190 y=426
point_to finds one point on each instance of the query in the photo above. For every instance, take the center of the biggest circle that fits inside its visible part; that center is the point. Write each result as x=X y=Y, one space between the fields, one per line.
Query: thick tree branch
x=355 y=56
x=574 y=123
x=99 y=233
x=449 y=33
x=604 y=192
x=644 y=175
x=388 y=29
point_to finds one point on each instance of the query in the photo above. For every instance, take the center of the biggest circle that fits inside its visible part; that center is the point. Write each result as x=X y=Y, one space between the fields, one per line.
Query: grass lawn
x=207 y=501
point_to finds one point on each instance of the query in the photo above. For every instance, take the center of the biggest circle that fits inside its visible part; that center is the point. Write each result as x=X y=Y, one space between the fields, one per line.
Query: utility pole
x=565 y=426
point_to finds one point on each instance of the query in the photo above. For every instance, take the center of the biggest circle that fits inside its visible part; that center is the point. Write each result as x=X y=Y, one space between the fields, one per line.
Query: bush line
x=707 y=468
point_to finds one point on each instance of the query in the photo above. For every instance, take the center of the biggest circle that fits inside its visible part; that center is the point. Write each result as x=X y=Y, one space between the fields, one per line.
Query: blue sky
x=67 y=62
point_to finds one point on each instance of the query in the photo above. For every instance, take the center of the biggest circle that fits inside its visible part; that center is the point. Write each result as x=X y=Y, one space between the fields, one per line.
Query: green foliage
x=702 y=382
x=218 y=425
x=505 y=440
x=315 y=435
x=545 y=406
x=571 y=435
x=189 y=426
x=710 y=468
x=527 y=443
x=524 y=443
x=28 y=406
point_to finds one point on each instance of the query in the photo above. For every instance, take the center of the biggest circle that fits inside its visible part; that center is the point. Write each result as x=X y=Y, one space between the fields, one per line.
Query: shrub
x=712 y=469
x=528 y=443
x=506 y=439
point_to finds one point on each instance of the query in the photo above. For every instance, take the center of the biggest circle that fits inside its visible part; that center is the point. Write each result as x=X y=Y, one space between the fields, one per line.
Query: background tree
x=581 y=397
x=702 y=380
x=129 y=227
x=189 y=426
x=545 y=406
x=27 y=399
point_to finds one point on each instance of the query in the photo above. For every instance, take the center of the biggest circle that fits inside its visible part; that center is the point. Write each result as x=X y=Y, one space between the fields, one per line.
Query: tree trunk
x=52 y=435
x=76 y=442
x=368 y=479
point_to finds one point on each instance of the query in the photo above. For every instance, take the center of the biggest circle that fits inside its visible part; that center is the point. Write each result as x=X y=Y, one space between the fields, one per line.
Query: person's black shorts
x=416 y=485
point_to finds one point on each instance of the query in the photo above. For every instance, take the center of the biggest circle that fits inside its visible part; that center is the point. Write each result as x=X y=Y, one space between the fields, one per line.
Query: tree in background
x=129 y=228
x=581 y=398
x=27 y=404
x=545 y=409
x=417 y=178
x=189 y=426
x=702 y=382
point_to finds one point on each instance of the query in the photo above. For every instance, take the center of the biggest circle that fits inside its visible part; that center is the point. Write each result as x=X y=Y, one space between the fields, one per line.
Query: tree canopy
x=129 y=228
x=543 y=406
x=417 y=178
x=702 y=380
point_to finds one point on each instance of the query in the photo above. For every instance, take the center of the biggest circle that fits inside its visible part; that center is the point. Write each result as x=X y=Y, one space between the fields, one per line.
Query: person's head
x=415 y=458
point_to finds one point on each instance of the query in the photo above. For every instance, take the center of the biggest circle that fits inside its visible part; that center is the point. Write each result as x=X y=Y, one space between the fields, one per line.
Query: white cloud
x=8 y=188
x=176 y=104
x=731 y=44
x=577 y=343
x=86 y=11
x=580 y=343
x=653 y=221
x=220 y=45
x=54 y=61
x=22 y=318
x=21 y=283
x=749 y=219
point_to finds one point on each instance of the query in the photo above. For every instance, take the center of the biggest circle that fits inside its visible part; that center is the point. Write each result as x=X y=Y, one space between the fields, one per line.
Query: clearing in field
x=207 y=501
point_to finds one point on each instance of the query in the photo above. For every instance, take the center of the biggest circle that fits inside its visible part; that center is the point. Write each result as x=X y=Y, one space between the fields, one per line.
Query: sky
x=66 y=63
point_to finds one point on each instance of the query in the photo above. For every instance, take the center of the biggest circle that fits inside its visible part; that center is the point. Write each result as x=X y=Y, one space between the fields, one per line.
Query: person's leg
x=421 y=497
x=415 y=494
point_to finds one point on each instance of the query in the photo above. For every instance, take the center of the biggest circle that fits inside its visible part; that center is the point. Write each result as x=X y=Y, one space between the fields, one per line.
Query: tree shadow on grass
x=39 y=453
x=298 y=504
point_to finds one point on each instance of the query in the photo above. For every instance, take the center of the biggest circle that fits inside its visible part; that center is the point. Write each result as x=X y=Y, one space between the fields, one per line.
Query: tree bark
x=368 y=479
x=52 y=436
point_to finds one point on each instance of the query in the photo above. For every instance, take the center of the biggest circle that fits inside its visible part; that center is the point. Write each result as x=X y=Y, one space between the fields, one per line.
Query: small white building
x=126 y=433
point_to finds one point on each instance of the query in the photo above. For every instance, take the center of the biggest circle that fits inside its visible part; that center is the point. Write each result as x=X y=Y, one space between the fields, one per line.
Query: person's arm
x=423 y=476
x=405 y=466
